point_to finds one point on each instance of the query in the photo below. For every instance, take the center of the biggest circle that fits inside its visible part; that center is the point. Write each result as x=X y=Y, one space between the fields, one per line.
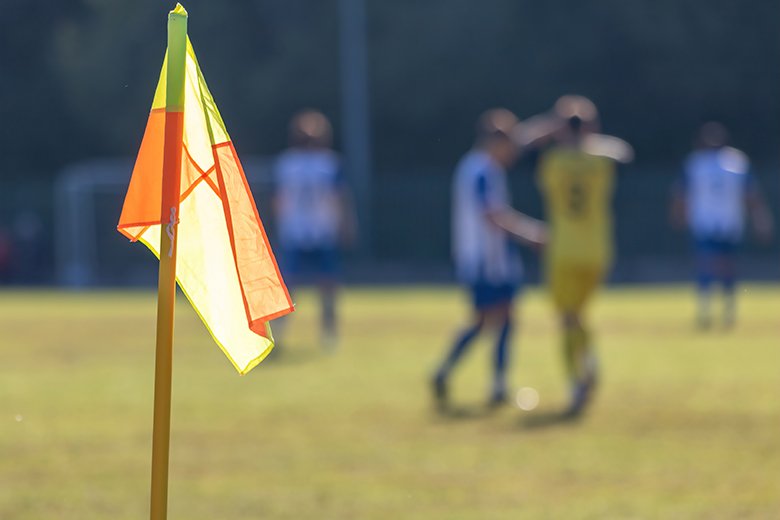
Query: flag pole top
x=179 y=10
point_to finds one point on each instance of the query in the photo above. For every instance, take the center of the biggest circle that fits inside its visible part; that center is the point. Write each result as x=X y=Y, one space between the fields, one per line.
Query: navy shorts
x=303 y=264
x=485 y=295
x=716 y=246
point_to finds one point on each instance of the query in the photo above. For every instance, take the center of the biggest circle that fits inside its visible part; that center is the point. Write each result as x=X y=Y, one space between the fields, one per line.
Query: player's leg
x=579 y=350
x=328 y=289
x=581 y=363
x=563 y=284
x=291 y=269
x=459 y=347
x=501 y=315
x=705 y=274
x=463 y=340
x=725 y=267
x=461 y=344
x=576 y=343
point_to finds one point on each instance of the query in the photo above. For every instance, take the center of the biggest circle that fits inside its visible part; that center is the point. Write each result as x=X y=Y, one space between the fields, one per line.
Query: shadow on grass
x=464 y=412
x=294 y=355
x=547 y=419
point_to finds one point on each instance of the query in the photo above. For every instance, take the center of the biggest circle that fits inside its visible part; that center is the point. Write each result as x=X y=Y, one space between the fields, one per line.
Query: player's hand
x=526 y=230
x=539 y=238
x=532 y=232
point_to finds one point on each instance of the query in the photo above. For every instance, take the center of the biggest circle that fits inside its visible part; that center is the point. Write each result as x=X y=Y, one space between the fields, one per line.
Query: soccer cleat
x=579 y=401
x=583 y=392
x=439 y=387
x=498 y=395
x=329 y=341
x=498 y=398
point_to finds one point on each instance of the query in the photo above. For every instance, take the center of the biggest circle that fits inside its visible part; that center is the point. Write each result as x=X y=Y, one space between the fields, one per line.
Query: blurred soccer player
x=576 y=176
x=483 y=224
x=313 y=212
x=712 y=199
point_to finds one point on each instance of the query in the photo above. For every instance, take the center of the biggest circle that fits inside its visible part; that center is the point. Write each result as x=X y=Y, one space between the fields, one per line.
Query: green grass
x=686 y=424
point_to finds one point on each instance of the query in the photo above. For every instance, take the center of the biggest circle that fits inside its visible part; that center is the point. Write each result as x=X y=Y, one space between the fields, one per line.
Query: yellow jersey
x=577 y=190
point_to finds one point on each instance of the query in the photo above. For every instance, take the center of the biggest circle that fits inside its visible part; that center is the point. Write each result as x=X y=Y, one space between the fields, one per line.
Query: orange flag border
x=225 y=228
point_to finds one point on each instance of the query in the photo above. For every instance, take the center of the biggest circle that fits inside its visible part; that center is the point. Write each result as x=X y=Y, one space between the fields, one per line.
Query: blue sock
x=502 y=357
x=460 y=346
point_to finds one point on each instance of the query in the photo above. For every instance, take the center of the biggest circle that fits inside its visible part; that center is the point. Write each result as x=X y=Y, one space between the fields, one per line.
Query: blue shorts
x=485 y=295
x=716 y=246
x=304 y=264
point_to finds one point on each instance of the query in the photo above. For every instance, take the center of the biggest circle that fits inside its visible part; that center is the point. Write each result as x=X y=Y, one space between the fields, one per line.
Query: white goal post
x=79 y=219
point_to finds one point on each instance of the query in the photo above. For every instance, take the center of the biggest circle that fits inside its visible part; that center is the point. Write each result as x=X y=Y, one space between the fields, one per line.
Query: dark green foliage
x=78 y=75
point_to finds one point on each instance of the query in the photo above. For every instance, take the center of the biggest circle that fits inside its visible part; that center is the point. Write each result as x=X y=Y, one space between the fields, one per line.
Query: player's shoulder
x=554 y=151
x=325 y=160
x=727 y=158
x=297 y=157
x=699 y=161
x=325 y=155
x=733 y=160
x=560 y=156
x=474 y=163
x=693 y=157
x=287 y=157
x=549 y=160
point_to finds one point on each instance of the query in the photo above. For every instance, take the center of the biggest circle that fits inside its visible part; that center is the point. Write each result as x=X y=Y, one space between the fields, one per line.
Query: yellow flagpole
x=166 y=289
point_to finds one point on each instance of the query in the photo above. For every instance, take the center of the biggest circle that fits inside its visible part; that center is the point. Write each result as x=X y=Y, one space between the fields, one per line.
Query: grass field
x=686 y=424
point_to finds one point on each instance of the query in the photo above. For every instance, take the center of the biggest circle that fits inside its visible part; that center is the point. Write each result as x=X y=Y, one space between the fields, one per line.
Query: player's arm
x=523 y=228
x=537 y=131
x=609 y=146
x=760 y=215
x=527 y=230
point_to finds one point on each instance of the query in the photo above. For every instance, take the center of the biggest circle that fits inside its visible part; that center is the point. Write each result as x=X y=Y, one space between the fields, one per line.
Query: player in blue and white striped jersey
x=713 y=199
x=484 y=231
x=313 y=210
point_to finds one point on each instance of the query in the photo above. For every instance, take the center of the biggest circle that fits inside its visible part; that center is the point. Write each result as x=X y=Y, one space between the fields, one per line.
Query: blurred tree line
x=78 y=75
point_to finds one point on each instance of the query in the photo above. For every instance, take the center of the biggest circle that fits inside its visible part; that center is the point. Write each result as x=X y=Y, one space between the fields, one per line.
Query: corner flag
x=202 y=205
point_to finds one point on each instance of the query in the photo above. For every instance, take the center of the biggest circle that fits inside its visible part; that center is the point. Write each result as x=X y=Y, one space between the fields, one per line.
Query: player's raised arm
x=537 y=131
x=608 y=146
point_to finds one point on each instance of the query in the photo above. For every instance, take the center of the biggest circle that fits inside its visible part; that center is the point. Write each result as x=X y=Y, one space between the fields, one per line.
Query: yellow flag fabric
x=225 y=265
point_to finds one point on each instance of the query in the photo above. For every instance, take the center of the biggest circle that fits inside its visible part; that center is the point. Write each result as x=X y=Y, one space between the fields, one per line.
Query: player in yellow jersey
x=576 y=173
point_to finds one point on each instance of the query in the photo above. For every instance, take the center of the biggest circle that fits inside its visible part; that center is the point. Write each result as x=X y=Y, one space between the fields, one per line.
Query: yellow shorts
x=572 y=284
